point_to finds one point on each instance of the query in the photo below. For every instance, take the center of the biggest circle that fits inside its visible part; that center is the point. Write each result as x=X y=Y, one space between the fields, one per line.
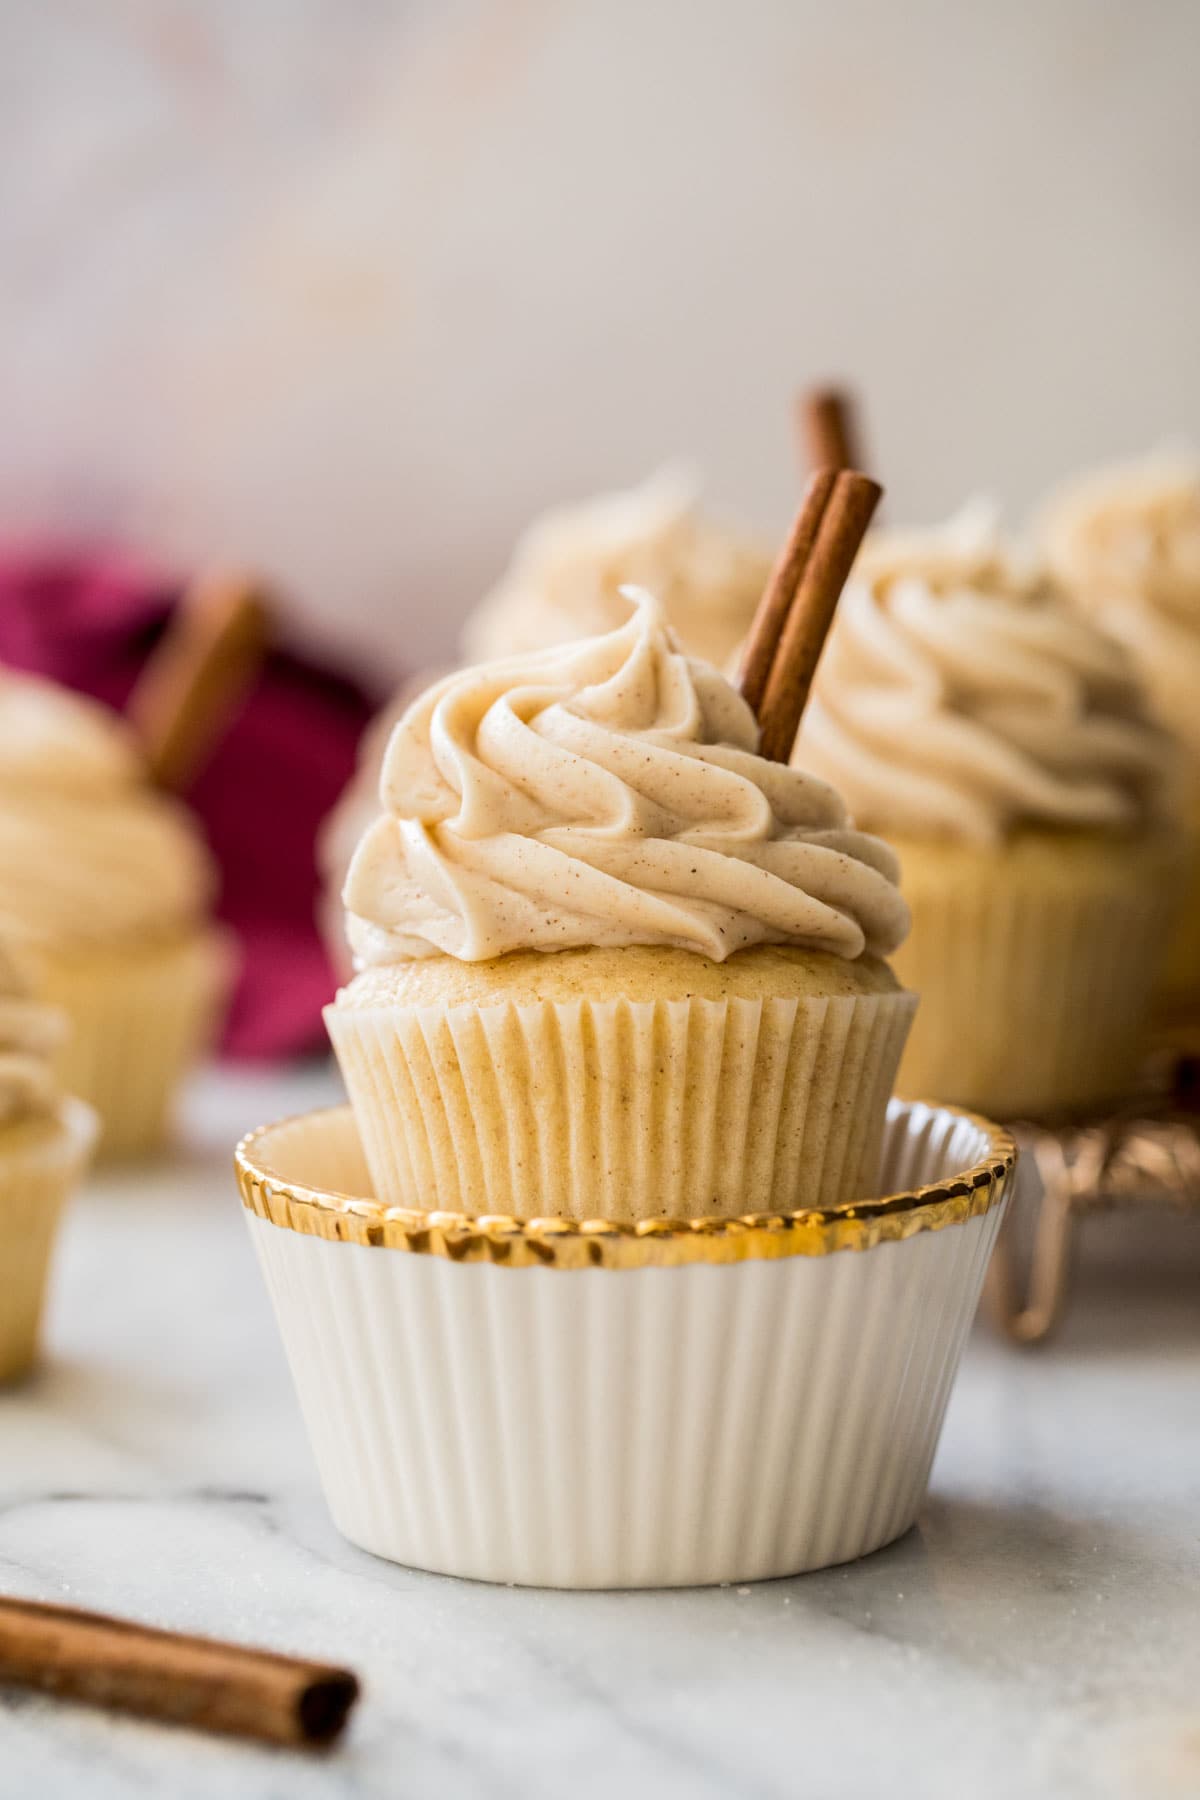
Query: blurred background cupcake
x=1125 y=544
x=45 y=1141
x=107 y=887
x=568 y=568
x=1003 y=745
x=264 y=772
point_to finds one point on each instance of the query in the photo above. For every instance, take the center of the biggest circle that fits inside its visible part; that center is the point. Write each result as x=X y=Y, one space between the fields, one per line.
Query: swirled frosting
x=606 y=793
x=30 y=1033
x=568 y=569
x=959 y=696
x=89 y=850
x=1125 y=543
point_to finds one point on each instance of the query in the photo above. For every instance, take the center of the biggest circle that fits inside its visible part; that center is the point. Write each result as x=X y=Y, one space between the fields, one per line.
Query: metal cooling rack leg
x=1028 y=1312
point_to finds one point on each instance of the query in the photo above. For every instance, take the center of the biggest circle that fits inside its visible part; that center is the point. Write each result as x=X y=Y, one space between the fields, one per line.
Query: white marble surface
x=1038 y=1634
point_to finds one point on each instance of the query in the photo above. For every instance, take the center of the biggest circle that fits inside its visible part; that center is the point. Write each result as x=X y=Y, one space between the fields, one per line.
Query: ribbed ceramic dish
x=571 y=1404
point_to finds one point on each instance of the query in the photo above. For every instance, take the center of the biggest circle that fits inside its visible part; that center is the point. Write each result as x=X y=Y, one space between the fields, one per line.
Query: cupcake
x=44 y=1143
x=1125 y=544
x=105 y=889
x=567 y=571
x=614 y=964
x=1002 y=744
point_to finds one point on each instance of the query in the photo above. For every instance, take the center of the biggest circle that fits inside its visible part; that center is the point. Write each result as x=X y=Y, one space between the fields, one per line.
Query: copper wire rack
x=1143 y=1155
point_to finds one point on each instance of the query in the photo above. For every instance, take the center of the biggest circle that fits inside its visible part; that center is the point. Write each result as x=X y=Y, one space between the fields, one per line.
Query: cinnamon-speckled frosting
x=89 y=851
x=606 y=793
x=959 y=696
x=30 y=1034
x=1125 y=543
x=568 y=569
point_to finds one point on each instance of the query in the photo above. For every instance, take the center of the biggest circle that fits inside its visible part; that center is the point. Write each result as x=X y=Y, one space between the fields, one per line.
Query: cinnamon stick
x=165 y=1675
x=796 y=611
x=827 y=429
x=212 y=649
x=772 y=610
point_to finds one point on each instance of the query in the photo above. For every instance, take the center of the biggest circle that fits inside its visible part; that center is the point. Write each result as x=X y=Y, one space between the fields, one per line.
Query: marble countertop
x=1037 y=1634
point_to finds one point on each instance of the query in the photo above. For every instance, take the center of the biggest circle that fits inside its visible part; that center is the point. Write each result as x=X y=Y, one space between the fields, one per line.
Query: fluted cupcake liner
x=141 y=1015
x=1035 y=972
x=753 y=1398
x=40 y=1162
x=623 y=1110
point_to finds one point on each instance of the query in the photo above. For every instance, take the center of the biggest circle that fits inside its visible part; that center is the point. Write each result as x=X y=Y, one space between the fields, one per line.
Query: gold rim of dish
x=600 y=1243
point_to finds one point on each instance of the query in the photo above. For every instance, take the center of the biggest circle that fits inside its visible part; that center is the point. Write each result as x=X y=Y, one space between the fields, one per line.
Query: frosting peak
x=959 y=696
x=88 y=849
x=1132 y=532
x=1125 y=543
x=566 y=575
x=606 y=793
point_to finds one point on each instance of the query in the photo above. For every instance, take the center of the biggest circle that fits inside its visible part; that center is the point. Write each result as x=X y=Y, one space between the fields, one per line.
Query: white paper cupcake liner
x=648 y=1405
x=40 y=1162
x=668 y=1109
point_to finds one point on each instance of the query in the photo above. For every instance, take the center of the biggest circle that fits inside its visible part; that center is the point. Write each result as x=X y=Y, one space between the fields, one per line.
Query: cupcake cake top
x=30 y=1034
x=606 y=793
x=1125 y=543
x=960 y=697
x=89 y=850
x=568 y=569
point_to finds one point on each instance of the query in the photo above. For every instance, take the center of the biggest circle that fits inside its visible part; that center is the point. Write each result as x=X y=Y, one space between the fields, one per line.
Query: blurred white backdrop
x=350 y=289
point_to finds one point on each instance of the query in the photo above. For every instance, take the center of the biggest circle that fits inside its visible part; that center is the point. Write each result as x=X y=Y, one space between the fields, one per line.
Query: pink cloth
x=89 y=621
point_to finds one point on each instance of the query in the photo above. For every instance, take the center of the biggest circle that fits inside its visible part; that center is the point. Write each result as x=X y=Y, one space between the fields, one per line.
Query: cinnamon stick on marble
x=165 y=1675
x=827 y=429
x=203 y=666
x=797 y=608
